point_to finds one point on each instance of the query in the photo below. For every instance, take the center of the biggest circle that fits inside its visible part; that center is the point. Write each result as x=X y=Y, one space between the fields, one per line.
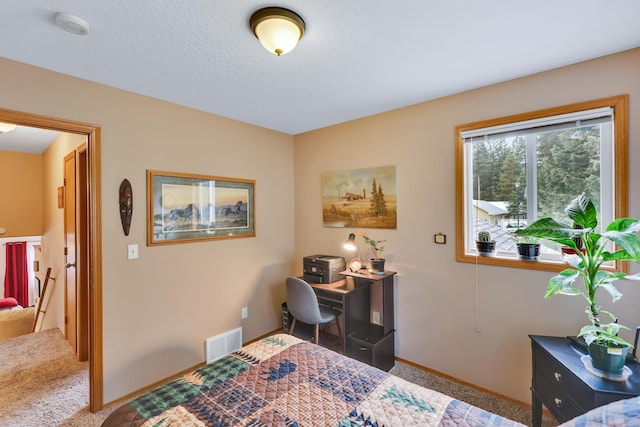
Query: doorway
x=93 y=236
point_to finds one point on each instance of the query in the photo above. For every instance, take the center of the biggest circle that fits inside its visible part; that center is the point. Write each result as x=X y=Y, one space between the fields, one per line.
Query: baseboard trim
x=150 y=387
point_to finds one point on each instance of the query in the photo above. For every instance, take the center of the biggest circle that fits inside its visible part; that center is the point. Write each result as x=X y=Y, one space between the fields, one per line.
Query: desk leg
x=536 y=409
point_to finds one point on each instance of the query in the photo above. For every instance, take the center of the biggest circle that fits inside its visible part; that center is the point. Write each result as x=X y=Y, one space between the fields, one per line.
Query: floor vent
x=223 y=344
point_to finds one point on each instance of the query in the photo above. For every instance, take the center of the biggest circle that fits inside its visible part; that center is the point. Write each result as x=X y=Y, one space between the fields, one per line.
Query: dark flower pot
x=377 y=265
x=566 y=250
x=486 y=248
x=608 y=359
x=528 y=251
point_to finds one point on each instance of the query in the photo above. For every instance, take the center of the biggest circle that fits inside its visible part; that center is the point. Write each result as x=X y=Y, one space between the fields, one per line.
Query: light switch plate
x=375 y=317
x=132 y=252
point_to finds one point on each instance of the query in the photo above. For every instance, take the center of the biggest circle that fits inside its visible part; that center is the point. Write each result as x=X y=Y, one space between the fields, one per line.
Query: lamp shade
x=278 y=29
x=350 y=243
x=6 y=127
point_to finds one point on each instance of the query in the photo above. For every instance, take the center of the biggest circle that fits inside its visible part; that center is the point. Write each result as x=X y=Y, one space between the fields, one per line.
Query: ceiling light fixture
x=6 y=127
x=72 y=24
x=278 y=29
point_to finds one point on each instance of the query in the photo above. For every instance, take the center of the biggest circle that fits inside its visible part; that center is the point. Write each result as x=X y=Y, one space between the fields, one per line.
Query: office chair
x=303 y=305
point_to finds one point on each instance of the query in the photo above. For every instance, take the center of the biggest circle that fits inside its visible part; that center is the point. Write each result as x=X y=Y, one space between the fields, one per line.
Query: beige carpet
x=470 y=395
x=42 y=384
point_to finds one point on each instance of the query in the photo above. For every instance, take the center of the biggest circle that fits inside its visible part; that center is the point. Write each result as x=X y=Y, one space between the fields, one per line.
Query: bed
x=621 y=413
x=284 y=381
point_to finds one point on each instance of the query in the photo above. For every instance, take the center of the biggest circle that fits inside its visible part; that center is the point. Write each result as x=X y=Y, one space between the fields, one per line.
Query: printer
x=322 y=268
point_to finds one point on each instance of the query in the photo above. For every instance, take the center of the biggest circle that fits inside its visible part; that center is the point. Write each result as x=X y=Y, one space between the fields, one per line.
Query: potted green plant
x=484 y=244
x=591 y=250
x=377 y=262
x=528 y=247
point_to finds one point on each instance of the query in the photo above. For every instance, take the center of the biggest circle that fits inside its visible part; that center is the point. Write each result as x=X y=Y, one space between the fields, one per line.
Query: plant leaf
x=621 y=255
x=633 y=277
x=612 y=290
x=622 y=232
x=605 y=279
x=552 y=230
x=563 y=284
x=582 y=212
x=574 y=261
x=604 y=335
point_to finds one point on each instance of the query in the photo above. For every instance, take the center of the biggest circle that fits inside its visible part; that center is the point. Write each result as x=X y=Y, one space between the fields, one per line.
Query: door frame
x=94 y=229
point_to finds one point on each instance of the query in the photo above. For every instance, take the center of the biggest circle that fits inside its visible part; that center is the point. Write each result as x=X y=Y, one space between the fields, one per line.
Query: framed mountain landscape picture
x=183 y=207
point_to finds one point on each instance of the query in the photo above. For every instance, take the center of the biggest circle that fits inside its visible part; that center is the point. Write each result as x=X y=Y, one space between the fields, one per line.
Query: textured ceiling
x=357 y=57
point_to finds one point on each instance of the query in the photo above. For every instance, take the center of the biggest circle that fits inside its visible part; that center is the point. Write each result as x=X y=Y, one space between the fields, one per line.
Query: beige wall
x=53 y=237
x=21 y=211
x=159 y=308
x=21 y=204
x=438 y=323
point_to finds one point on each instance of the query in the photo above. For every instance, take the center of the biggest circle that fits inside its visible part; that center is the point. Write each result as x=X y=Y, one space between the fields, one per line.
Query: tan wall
x=436 y=313
x=159 y=308
x=21 y=204
x=53 y=237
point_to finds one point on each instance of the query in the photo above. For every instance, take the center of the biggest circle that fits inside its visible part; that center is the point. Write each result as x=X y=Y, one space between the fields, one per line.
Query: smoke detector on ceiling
x=72 y=24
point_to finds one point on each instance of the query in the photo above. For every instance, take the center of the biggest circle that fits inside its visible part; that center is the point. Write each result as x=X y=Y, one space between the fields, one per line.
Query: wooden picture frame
x=183 y=208
x=360 y=198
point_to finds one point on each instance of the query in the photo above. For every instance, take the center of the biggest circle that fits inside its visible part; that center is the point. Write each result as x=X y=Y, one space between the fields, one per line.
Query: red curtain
x=16 y=277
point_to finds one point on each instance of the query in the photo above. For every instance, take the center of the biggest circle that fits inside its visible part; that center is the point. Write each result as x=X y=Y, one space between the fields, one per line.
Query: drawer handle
x=557 y=376
x=363 y=348
x=558 y=401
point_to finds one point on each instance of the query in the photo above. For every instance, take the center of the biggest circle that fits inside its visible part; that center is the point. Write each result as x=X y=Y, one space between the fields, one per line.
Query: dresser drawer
x=360 y=350
x=556 y=399
x=557 y=380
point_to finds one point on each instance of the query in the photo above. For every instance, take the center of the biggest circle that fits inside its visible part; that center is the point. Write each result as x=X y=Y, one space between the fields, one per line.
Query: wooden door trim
x=82 y=209
x=92 y=133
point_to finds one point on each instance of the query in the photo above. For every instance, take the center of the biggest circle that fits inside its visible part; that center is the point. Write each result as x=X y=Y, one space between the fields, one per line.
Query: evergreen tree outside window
x=515 y=170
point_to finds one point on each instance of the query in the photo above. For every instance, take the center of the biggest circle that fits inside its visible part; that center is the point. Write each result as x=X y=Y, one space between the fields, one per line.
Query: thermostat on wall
x=440 y=238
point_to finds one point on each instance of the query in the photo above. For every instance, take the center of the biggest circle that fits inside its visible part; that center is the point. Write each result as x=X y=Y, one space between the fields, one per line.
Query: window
x=514 y=170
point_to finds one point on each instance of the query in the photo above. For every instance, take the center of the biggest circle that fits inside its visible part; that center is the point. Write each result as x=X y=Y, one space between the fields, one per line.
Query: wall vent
x=223 y=344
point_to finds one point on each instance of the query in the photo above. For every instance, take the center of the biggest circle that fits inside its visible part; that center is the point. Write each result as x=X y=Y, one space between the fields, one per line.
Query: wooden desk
x=363 y=340
x=561 y=382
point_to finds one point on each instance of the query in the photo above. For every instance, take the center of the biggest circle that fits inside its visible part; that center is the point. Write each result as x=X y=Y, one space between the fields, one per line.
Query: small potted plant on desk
x=377 y=263
x=607 y=351
x=484 y=244
x=528 y=247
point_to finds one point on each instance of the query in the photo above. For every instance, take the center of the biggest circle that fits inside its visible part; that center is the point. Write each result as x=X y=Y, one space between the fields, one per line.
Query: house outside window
x=515 y=170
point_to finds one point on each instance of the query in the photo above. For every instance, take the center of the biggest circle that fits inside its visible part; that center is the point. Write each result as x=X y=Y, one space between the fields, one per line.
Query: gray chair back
x=302 y=302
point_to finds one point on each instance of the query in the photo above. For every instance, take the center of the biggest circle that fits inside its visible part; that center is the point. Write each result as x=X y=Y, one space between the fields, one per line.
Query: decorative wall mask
x=126 y=205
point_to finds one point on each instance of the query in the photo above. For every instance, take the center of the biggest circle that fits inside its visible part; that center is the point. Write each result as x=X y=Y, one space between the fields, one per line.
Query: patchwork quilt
x=622 y=413
x=284 y=381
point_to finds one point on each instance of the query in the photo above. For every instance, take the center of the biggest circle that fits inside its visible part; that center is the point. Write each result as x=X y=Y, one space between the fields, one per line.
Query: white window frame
x=614 y=173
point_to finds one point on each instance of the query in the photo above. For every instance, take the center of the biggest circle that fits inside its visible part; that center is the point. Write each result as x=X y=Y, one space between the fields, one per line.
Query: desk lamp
x=355 y=264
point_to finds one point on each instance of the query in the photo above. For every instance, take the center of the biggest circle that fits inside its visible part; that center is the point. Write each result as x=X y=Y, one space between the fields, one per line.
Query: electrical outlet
x=132 y=252
x=375 y=317
x=245 y=313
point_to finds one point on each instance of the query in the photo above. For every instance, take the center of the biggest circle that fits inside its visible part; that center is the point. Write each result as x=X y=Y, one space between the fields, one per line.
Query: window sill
x=541 y=264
